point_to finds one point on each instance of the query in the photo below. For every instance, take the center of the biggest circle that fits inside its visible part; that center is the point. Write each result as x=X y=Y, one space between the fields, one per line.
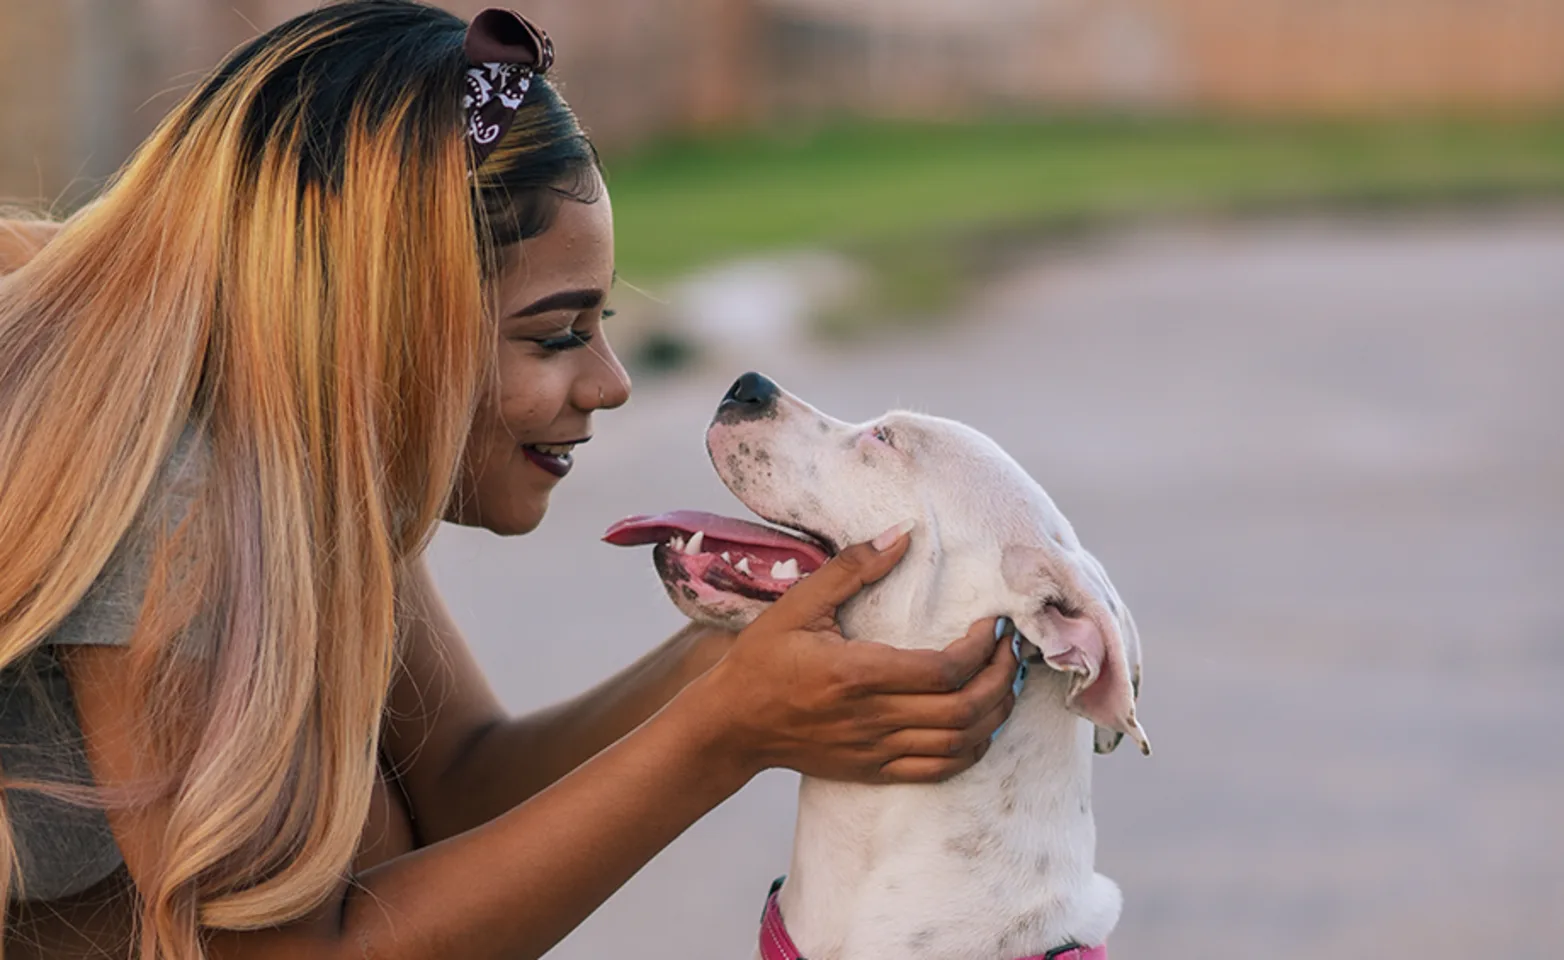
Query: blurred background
x=1269 y=294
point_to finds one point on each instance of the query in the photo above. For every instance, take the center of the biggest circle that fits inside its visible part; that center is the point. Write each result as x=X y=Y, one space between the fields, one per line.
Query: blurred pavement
x=1323 y=462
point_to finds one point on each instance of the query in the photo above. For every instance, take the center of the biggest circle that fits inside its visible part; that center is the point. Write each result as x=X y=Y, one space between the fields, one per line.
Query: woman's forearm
x=515 y=886
x=518 y=884
x=513 y=760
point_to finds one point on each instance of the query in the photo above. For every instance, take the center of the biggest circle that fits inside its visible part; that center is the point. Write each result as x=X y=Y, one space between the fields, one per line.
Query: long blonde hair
x=292 y=268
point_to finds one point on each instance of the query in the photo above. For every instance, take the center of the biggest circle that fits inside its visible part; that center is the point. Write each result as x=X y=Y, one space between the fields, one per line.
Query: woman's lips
x=556 y=464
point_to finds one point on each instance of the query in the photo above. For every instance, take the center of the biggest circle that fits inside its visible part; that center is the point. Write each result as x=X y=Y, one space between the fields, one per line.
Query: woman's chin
x=509 y=497
x=517 y=518
x=515 y=527
x=510 y=517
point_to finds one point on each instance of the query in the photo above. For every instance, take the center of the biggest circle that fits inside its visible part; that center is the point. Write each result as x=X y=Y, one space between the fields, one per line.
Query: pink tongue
x=634 y=531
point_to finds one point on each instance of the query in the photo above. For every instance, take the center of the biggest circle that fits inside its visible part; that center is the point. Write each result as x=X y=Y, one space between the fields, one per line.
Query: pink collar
x=775 y=944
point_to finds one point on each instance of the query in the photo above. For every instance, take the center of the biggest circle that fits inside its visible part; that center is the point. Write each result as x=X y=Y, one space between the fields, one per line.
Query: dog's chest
x=992 y=864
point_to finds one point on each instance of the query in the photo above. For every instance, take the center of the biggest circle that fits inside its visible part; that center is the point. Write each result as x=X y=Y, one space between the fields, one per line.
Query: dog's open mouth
x=723 y=553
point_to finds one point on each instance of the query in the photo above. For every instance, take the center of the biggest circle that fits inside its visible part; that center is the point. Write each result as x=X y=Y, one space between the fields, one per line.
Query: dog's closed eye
x=1065 y=608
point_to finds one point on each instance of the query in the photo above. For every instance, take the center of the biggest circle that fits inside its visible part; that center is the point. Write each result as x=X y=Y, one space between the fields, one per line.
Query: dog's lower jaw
x=992 y=865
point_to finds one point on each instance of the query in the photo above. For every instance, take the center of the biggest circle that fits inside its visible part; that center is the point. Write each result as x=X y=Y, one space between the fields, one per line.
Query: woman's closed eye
x=570 y=340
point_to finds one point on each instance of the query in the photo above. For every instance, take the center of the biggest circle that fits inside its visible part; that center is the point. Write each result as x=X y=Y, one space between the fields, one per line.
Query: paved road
x=1324 y=463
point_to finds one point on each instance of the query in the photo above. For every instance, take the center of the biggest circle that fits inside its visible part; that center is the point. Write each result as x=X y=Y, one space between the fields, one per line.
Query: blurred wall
x=1290 y=57
x=34 y=136
x=82 y=81
x=631 y=68
x=1352 y=56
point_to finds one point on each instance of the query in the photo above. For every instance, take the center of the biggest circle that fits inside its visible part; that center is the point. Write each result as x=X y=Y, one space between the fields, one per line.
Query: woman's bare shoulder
x=21 y=238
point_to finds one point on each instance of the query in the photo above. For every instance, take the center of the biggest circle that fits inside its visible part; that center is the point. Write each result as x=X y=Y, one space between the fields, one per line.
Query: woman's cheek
x=530 y=399
x=522 y=415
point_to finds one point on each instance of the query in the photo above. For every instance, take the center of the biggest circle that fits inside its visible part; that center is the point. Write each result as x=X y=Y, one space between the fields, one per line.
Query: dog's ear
x=1071 y=612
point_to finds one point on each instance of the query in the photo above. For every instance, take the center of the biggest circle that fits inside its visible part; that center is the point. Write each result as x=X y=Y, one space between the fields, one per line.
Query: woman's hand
x=793 y=692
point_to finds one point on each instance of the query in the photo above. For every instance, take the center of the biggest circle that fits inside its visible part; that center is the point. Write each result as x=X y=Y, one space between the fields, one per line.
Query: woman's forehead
x=576 y=252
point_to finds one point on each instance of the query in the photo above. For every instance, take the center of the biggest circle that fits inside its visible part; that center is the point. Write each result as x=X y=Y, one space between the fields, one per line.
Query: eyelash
x=883 y=434
x=570 y=341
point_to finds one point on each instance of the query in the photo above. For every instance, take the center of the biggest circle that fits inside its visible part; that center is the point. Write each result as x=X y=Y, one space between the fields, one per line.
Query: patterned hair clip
x=506 y=51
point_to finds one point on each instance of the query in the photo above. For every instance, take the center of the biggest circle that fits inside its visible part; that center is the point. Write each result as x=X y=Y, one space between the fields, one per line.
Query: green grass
x=870 y=187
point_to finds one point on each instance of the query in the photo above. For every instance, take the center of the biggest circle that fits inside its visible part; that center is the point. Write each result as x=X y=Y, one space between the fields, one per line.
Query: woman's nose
x=606 y=385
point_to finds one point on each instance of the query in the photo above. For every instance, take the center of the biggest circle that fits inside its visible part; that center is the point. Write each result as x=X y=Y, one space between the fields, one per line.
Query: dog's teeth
x=694 y=546
x=726 y=558
x=743 y=566
x=677 y=543
x=785 y=569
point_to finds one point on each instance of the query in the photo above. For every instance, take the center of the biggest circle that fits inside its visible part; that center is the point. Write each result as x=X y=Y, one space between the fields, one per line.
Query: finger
x=954 y=711
x=818 y=596
x=885 y=669
x=928 y=769
x=937 y=742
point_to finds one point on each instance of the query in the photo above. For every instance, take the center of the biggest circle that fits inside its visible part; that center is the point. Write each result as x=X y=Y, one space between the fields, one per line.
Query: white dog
x=996 y=863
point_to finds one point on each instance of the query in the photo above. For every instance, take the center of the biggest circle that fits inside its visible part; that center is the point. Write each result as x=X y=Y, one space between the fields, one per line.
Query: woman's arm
x=511 y=888
x=462 y=760
x=791 y=692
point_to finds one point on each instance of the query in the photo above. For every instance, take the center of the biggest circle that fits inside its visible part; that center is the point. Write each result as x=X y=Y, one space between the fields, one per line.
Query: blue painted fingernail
x=1000 y=627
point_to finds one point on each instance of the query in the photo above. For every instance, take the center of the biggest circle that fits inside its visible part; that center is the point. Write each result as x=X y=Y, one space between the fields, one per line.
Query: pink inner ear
x=1079 y=646
x=1088 y=646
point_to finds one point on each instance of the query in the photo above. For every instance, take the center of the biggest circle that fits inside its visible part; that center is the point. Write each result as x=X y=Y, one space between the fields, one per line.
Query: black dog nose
x=752 y=388
x=751 y=395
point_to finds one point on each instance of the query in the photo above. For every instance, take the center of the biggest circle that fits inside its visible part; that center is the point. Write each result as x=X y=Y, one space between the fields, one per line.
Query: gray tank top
x=63 y=848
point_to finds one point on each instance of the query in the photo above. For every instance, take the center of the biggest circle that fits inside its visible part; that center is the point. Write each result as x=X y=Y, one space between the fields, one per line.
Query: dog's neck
x=995 y=864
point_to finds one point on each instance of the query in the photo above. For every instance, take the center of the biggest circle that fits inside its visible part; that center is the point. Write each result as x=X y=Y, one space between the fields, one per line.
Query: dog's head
x=988 y=540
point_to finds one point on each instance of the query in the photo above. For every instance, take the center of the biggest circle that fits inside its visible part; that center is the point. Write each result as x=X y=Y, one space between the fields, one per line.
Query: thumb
x=817 y=597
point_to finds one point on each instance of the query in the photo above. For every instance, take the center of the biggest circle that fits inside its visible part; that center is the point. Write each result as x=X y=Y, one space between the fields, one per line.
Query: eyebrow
x=563 y=300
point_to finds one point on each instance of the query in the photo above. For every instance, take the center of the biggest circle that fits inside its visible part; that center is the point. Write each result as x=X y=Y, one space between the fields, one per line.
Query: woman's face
x=554 y=369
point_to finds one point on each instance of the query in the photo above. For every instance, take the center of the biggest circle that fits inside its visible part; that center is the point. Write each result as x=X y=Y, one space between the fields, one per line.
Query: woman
x=355 y=284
